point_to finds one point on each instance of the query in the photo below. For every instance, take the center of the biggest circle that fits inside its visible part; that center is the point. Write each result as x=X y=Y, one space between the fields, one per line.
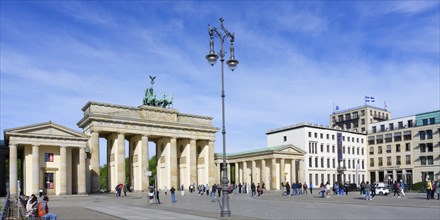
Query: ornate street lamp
x=212 y=57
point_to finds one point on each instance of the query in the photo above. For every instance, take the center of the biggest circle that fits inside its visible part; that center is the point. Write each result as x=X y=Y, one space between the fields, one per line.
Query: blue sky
x=297 y=58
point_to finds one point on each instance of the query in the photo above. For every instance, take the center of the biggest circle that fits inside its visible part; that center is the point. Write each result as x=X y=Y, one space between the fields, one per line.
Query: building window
x=334 y=163
x=425 y=121
x=391 y=126
x=322 y=162
x=333 y=148
x=362 y=140
x=322 y=147
x=422 y=135
x=362 y=112
x=316 y=162
x=371 y=150
x=48 y=179
x=429 y=134
x=362 y=151
x=310 y=134
x=408 y=159
x=48 y=157
x=321 y=136
x=316 y=135
x=429 y=147
x=328 y=162
x=363 y=164
x=343 y=150
x=310 y=161
x=349 y=164
x=431 y=121
x=410 y=123
x=422 y=148
x=407 y=147
x=397 y=147
x=327 y=136
x=397 y=136
x=285 y=138
x=374 y=129
x=316 y=180
x=328 y=148
x=380 y=162
x=430 y=160
x=363 y=121
x=388 y=161
x=398 y=160
x=423 y=160
x=348 y=150
x=382 y=127
x=357 y=151
x=400 y=123
x=333 y=136
x=379 y=149
x=388 y=148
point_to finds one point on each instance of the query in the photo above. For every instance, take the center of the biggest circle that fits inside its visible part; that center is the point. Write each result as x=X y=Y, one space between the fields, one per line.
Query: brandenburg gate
x=184 y=145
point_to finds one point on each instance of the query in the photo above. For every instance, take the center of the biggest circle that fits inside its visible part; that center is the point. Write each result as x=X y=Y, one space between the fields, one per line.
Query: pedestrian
x=182 y=190
x=294 y=189
x=428 y=186
x=327 y=189
x=311 y=187
x=434 y=188
x=396 y=187
x=165 y=190
x=239 y=187
x=322 y=189
x=41 y=192
x=43 y=210
x=151 y=196
x=157 y=196
x=402 y=188
x=124 y=189
x=213 y=191
x=173 y=194
x=300 y=188
x=207 y=190
x=367 y=188
x=287 y=189
x=362 y=188
x=259 y=189
x=253 y=189
x=305 y=188
x=373 y=190
x=219 y=190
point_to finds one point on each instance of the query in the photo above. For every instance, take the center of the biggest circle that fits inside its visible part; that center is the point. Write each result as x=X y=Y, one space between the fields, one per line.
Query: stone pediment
x=289 y=149
x=45 y=129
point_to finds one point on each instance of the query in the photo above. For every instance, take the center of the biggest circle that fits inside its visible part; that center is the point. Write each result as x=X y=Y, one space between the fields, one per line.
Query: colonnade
x=270 y=171
x=180 y=160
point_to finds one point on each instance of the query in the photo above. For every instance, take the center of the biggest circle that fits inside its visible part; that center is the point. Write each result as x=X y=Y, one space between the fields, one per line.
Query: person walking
x=287 y=189
x=165 y=190
x=322 y=189
x=305 y=188
x=41 y=192
x=311 y=188
x=428 y=189
x=373 y=190
x=182 y=190
x=151 y=196
x=253 y=189
x=434 y=188
x=402 y=188
x=173 y=194
x=327 y=189
x=437 y=190
x=157 y=196
x=367 y=190
x=396 y=187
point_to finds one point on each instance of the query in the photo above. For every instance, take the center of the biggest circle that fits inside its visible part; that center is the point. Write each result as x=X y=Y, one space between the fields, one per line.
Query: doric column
x=376 y=176
x=193 y=161
x=263 y=172
x=236 y=173
x=82 y=172
x=120 y=159
x=245 y=175
x=13 y=170
x=94 y=161
x=63 y=170
x=282 y=171
x=144 y=163
x=217 y=167
x=254 y=172
x=273 y=174
x=301 y=171
x=35 y=169
x=173 y=163
x=293 y=171
x=228 y=171
x=211 y=169
x=394 y=175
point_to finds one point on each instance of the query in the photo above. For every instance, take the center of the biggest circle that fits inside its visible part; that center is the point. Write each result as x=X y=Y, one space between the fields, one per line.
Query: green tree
x=103 y=177
x=152 y=168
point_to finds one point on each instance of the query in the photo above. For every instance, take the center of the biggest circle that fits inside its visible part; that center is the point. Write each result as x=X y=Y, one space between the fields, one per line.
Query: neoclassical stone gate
x=184 y=145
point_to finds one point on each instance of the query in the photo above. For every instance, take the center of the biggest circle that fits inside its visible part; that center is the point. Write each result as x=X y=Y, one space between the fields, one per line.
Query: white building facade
x=332 y=155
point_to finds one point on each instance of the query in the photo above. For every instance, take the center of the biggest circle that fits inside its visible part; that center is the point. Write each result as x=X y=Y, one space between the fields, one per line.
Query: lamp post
x=221 y=33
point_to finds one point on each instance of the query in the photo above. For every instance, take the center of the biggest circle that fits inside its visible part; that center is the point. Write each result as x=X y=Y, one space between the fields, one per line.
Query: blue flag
x=337 y=108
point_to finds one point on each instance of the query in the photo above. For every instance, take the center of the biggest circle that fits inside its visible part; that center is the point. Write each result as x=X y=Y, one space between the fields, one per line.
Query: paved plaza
x=270 y=206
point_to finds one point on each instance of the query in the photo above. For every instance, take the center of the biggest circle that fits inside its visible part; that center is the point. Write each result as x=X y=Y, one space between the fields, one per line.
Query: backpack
x=42 y=209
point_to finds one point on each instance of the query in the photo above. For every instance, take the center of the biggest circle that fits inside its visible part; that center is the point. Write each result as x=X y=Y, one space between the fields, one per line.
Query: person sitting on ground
x=43 y=210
